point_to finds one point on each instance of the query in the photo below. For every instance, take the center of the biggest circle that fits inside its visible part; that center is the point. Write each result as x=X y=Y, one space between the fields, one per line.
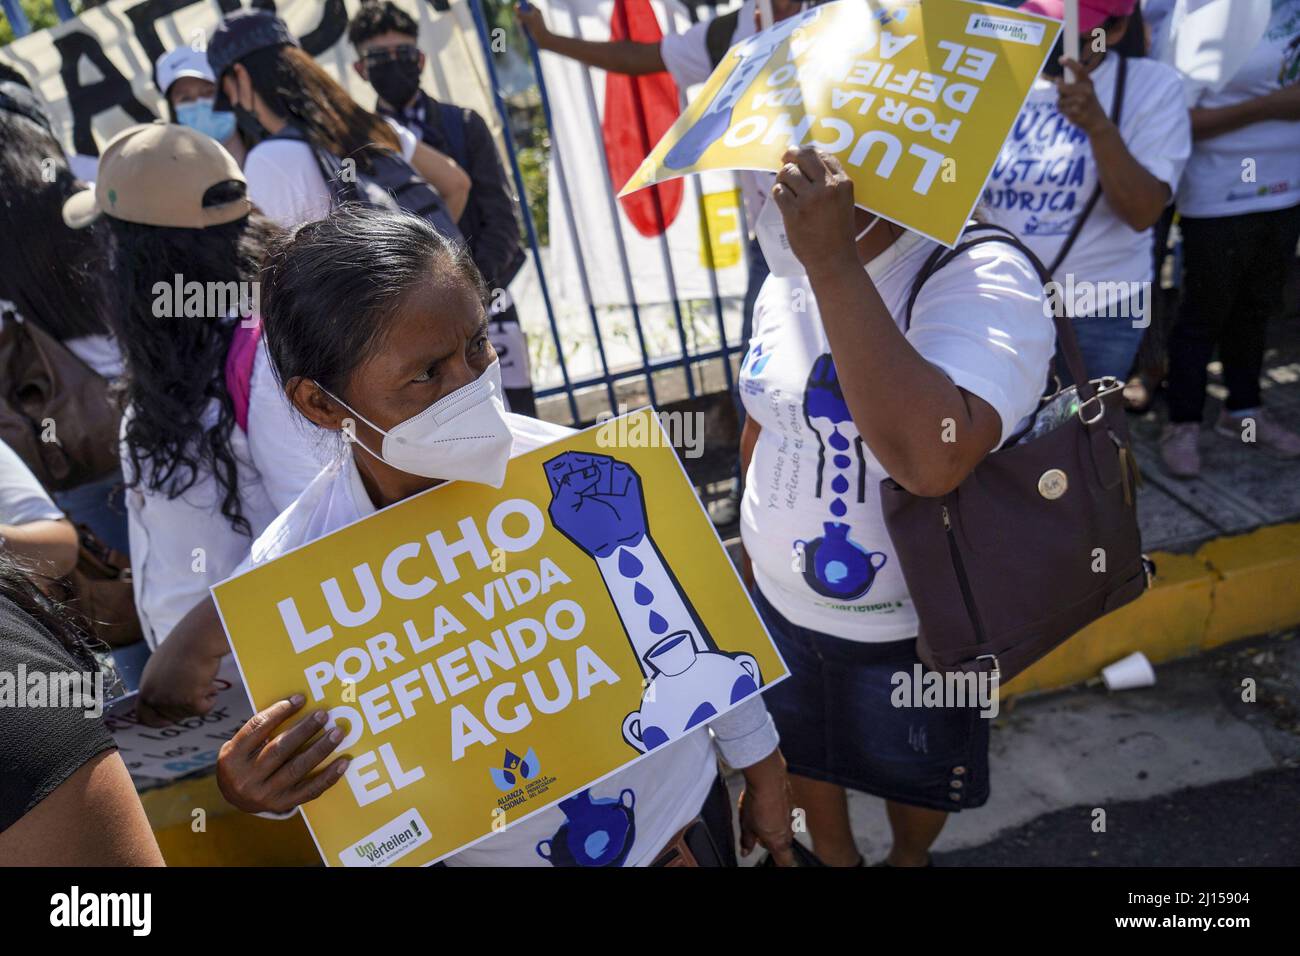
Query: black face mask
x=396 y=81
x=249 y=126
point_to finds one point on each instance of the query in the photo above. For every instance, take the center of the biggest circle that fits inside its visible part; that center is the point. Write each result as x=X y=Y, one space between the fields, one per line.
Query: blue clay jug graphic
x=836 y=566
x=688 y=150
x=597 y=831
x=689 y=687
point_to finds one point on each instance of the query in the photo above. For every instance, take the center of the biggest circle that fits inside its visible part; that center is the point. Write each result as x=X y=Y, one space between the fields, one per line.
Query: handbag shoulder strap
x=1116 y=114
x=1065 y=336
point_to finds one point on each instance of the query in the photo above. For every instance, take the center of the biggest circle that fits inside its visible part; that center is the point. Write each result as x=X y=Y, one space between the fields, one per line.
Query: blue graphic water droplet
x=838 y=441
x=701 y=714
x=642 y=594
x=840 y=485
x=657 y=623
x=838 y=508
x=836 y=571
x=842 y=461
x=742 y=688
x=628 y=565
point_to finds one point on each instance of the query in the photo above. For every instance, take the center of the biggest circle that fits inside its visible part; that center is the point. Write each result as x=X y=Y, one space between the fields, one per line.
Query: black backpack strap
x=718 y=34
x=1116 y=114
x=330 y=167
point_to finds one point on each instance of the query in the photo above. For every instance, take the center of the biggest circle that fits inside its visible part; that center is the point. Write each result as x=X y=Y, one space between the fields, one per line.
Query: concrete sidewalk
x=1186 y=773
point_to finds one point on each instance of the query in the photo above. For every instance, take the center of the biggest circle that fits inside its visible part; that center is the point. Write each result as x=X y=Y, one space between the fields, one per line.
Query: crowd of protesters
x=357 y=316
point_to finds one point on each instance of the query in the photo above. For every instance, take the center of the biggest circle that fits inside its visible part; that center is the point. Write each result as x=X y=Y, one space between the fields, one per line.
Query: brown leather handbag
x=100 y=589
x=1041 y=538
x=55 y=410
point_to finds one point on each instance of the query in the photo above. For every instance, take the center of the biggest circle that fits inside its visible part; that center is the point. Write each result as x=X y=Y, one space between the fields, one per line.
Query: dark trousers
x=1234 y=271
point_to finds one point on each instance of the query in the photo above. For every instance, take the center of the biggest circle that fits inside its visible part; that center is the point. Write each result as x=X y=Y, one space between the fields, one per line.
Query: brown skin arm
x=1137 y=197
x=444 y=174
x=47 y=547
x=899 y=402
x=1283 y=104
x=178 y=679
x=93 y=818
x=616 y=56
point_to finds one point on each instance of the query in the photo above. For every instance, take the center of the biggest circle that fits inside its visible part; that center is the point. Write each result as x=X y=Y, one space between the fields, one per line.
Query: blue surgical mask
x=199 y=115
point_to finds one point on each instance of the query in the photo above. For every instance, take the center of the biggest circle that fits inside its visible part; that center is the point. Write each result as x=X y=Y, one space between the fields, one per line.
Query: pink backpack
x=239 y=367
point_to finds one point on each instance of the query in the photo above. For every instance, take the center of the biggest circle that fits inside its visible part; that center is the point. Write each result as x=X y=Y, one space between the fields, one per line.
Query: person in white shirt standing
x=1239 y=203
x=854 y=376
x=1087 y=170
x=211 y=452
x=376 y=322
x=275 y=89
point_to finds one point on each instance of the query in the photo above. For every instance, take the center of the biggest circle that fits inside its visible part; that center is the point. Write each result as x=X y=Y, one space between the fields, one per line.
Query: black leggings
x=1234 y=271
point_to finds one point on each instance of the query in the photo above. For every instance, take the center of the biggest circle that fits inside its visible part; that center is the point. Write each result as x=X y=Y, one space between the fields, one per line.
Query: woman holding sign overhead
x=376 y=323
x=849 y=380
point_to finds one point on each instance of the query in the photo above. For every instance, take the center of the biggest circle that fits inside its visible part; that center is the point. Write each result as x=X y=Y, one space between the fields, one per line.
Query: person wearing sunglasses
x=384 y=37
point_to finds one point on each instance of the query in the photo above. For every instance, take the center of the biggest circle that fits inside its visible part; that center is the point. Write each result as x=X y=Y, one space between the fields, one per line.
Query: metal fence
x=608 y=377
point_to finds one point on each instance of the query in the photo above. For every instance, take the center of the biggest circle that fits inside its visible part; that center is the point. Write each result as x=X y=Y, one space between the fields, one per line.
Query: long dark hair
x=293 y=85
x=175 y=366
x=50 y=272
x=329 y=286
x=65 y=625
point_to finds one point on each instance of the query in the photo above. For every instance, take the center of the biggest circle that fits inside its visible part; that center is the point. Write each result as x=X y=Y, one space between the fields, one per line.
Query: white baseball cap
x=182 y=61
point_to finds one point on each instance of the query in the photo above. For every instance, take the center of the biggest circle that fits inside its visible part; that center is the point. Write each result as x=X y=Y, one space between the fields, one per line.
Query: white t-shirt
x=1046 y=173
x=182 y=546
x=1215 y=182
x=667 y=787
x=810 y=517
x=686 y=55
x=100 y=352
x=285 y=179
x=22 y=499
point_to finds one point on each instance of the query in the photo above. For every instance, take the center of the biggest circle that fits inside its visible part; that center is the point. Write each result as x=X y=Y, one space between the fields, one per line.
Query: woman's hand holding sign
x=815 y=197
x=261 y=773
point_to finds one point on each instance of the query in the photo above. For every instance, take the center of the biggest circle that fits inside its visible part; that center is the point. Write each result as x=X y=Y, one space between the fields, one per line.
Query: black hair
x=175 y=365
x=293 y=85
x=328 y=286
x=9 y=74
x=374 y=19
x=52 y=274
x=67 y=626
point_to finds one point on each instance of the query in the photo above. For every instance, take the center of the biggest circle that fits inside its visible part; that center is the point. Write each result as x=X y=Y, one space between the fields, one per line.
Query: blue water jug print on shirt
x=597 y=831
x=834 y=565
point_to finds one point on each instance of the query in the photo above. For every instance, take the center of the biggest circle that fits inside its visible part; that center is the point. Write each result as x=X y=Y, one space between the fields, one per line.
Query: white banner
x=95 y=73
x=667 y=224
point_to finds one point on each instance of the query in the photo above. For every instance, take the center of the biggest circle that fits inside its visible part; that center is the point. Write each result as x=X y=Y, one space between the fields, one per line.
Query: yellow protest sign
x=490 y=652
x=914 y=98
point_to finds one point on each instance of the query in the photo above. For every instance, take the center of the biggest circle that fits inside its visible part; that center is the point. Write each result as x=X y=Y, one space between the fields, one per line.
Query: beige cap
x=156 y=174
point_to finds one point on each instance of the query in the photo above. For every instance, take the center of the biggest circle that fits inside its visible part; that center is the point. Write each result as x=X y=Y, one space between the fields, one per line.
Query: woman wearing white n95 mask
x=376 y=327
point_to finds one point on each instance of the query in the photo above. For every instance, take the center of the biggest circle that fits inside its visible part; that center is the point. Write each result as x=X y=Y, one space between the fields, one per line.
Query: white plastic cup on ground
x=1129 y=673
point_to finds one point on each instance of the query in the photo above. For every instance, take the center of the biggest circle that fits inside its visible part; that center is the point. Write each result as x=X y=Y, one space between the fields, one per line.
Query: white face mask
x=769 y=229
x=463 y=435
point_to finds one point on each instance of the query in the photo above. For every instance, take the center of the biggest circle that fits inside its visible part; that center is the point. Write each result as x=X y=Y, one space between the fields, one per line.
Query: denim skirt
x=838 y=723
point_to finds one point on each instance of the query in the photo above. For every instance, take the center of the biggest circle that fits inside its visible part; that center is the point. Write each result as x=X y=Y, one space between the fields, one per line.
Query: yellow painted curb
x=1231 y=588
x=229 y=837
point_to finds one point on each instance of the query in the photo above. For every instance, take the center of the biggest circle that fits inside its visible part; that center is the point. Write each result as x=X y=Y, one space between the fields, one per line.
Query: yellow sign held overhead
x=491 y=652
x=914 y=99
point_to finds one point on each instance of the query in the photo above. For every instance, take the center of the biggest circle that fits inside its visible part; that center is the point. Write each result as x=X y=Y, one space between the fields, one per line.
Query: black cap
x=237 y=36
